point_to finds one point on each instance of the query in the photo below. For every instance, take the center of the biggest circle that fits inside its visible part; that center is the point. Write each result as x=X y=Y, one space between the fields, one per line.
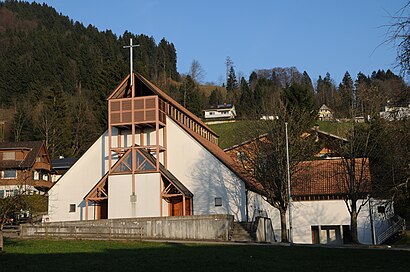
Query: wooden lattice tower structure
x=137 y=142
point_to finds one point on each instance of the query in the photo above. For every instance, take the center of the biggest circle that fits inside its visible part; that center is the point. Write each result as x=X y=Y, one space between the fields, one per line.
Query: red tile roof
x=328 y=177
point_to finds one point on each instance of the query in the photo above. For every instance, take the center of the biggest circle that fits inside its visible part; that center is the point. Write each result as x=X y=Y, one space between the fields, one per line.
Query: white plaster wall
x=147 y=191
x=25 y=189
x=77 y=182
x=313 y=213
x=204 y=175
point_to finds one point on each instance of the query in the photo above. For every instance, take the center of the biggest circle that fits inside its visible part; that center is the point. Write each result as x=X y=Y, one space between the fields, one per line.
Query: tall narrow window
x=218 y=201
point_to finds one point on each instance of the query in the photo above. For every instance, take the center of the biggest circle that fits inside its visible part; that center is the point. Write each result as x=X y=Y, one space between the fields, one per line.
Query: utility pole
x=289 y=194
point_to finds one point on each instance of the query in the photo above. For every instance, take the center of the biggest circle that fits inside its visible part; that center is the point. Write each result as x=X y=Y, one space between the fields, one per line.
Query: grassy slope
x=339 y=129
x=234 y=133
x=46 y=255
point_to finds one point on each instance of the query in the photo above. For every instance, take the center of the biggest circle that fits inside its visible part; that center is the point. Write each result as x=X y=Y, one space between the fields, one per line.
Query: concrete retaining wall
x=199 y=227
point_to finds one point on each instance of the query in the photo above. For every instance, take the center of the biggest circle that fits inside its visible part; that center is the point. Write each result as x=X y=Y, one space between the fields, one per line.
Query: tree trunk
x=283 y=229
x=1 y=240
x=353 y=224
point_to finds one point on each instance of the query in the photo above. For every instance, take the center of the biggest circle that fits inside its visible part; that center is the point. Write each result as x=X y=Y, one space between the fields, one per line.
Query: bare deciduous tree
x=353 y=177
x=265 y=158
x=196 y=71
x=399 y=35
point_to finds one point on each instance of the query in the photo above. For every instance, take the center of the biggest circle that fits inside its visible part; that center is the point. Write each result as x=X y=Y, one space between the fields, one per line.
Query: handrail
x=397 y=226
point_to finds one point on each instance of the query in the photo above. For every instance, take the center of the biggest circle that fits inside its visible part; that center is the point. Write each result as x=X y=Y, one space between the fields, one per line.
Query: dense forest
x=55 y=76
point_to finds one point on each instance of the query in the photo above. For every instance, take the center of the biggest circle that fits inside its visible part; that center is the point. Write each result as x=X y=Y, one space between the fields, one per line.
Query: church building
x=155 y=159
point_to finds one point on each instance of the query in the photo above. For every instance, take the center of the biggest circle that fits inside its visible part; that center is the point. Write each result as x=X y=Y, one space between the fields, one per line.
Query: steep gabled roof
x=33 y=147
x=324 y=107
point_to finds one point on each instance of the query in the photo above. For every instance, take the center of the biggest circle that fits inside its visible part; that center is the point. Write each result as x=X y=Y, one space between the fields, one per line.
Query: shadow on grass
x=142 y=256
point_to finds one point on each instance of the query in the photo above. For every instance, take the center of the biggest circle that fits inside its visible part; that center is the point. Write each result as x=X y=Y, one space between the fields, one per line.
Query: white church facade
x=156 y=159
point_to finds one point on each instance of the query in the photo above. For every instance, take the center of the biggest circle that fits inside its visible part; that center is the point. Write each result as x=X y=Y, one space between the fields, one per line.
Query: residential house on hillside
x=225 y=111
x=24 y=165
x=391 y=113
x=325 y=113
x=320 y=214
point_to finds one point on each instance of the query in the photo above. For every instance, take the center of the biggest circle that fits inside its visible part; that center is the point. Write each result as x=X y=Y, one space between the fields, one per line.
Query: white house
x=391 y=113
x=155 y=159
x=325 y=113
x=225 y=111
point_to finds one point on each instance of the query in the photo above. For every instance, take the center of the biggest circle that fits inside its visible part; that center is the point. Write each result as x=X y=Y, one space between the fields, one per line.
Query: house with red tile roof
x=319 y=189
x=24 y=166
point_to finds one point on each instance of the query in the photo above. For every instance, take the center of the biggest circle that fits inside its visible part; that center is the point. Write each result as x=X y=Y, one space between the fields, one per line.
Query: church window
x=218 y=201
x=72 y=207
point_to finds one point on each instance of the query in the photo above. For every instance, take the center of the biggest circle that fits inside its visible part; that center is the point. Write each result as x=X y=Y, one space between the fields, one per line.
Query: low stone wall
x=198 y=227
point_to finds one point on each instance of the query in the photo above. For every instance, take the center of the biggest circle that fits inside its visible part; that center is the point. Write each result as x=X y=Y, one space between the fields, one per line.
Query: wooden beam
x=183 y=205
x=86 y=209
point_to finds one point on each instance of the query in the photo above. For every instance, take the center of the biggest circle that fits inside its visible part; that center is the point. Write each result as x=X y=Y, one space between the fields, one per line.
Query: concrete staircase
x=241 y=232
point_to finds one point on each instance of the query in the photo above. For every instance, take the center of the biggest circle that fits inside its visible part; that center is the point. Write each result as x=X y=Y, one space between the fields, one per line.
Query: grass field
x=237 y=132
x=233 y=133
x=59 y=255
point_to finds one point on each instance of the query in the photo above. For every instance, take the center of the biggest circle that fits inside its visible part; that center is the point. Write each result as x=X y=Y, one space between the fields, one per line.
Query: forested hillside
x=56 y=74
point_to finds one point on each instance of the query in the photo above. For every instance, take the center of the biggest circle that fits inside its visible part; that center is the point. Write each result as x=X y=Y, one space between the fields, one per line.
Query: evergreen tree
x=231 y=85
x=215 y=98
x=192 y=98
x=346 y=108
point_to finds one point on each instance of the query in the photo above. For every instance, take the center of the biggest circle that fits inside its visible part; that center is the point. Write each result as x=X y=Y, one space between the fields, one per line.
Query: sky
x=312 y=35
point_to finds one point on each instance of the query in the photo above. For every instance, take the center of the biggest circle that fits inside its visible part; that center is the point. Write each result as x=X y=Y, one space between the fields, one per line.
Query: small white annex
x=155 y=159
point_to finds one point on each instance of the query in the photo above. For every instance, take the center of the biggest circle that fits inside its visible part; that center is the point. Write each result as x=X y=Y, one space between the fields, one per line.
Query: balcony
x=42 y=166
x=138 y=110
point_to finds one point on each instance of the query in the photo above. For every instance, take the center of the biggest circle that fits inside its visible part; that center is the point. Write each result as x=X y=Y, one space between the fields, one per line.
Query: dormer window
x=9 y=156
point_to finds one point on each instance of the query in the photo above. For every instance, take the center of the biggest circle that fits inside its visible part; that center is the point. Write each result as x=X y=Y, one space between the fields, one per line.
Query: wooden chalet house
x=24 y=166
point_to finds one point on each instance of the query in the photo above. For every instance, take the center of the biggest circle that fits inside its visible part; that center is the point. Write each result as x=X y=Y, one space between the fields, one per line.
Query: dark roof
x=63 y=163
x=34 y=148
x=220 y=107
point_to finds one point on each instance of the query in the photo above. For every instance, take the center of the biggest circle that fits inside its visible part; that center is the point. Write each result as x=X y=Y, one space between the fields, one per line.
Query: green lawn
x=335 y=128
x=241 y=130
x=233 y=133
x=59 y=255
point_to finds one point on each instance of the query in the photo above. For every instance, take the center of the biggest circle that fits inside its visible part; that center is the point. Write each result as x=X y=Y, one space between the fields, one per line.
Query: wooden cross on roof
x=131 y=46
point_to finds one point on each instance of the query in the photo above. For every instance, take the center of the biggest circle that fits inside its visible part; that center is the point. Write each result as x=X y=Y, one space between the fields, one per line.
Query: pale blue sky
x=317 y=36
